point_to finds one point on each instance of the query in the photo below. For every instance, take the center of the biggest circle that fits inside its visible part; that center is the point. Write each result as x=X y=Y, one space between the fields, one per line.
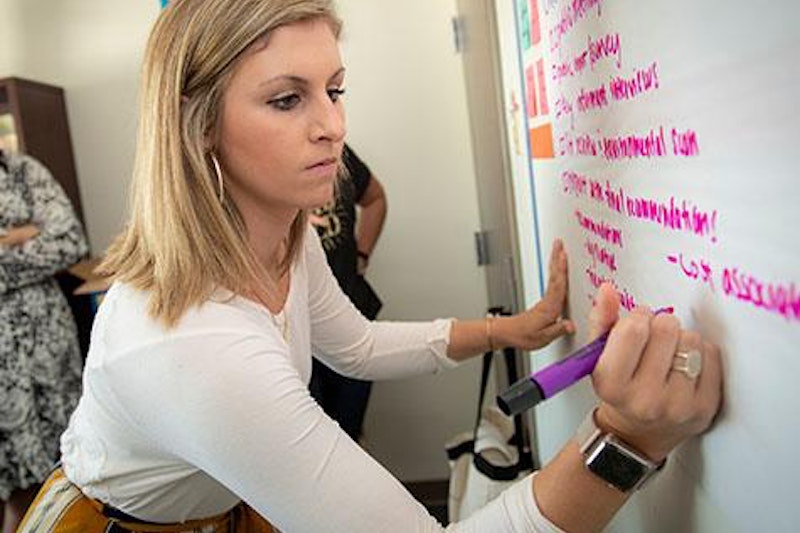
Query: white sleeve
x=346 y=341
x=234 y=406
x=514 y=510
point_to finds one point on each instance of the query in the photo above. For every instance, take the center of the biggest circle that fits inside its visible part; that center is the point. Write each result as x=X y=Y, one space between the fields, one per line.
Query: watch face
x=616 y=467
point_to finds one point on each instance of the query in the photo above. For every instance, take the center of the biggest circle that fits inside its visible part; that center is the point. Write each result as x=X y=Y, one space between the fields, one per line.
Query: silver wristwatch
x=612 y=460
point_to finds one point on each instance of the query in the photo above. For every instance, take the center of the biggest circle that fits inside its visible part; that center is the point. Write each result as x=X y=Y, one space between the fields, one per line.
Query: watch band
x=588 y=432
x=611 y=459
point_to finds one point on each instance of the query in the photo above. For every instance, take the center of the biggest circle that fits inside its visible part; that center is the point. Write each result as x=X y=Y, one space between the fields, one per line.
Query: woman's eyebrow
x=296 y=79
x=338 y=73
x=283 y=77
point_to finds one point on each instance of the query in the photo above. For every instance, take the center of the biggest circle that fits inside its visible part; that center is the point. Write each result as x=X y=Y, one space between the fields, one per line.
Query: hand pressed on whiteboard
x=644 y=400
x=529 y=330
x=543 y=323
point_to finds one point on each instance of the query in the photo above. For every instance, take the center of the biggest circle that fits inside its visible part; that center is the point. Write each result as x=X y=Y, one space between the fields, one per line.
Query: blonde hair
x=181 y=241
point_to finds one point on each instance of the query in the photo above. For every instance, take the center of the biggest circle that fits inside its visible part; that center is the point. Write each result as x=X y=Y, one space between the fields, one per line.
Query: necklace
x=281 y=323
x=279 y=319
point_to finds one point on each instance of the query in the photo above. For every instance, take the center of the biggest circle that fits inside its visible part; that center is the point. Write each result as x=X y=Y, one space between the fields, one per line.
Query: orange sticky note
x=542 y=142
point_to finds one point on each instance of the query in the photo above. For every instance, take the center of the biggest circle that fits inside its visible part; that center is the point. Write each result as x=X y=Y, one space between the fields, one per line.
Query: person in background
x=40 y=361
x=196 y=413
x=348 y=245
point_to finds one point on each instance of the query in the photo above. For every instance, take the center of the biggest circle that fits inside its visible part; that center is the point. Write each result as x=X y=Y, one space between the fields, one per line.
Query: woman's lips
x=325 y=167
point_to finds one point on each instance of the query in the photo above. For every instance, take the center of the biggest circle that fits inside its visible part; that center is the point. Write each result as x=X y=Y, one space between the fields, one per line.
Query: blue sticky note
x=524 y=21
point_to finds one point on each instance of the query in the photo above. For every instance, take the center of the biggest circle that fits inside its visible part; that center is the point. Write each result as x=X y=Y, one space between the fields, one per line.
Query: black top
x=337 y=234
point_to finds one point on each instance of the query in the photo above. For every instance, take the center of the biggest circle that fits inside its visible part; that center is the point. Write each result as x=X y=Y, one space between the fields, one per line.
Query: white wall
x=407 y=118
x=8 y=34
x=93 y=51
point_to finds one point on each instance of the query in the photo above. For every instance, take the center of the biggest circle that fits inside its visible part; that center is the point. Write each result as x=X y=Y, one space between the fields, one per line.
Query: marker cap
x=520 y=397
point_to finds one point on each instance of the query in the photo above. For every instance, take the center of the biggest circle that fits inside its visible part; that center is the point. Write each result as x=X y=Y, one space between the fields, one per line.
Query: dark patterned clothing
x=338 y=235
x=40 y=361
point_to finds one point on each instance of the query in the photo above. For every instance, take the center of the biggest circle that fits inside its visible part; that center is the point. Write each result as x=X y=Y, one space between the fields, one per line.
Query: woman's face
x=282 y=128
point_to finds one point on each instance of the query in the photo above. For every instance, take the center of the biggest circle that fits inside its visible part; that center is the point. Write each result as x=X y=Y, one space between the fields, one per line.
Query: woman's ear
x=208 y=141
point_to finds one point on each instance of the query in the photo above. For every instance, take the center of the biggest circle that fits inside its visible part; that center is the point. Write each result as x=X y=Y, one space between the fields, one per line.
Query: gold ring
x=690 y=363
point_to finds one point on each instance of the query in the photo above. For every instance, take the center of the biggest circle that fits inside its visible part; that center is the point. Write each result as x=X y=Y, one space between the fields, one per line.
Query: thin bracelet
x=489 y=323
x=363 y=255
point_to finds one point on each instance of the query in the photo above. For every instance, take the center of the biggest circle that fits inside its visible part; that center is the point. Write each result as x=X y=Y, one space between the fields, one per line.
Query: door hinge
x=458 y=33
x=482 y=247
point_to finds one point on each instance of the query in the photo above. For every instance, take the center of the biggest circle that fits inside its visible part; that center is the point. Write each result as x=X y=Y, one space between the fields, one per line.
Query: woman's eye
x=335 y=94
x=285 y=103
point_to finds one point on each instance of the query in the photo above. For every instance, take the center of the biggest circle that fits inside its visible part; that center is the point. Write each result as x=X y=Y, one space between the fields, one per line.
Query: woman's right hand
x=645 y=402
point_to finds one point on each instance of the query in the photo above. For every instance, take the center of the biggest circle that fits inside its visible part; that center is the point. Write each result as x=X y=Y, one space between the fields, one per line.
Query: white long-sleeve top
x=184 y=423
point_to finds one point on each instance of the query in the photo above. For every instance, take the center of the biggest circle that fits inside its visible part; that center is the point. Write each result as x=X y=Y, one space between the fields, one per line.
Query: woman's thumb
x=605 y=312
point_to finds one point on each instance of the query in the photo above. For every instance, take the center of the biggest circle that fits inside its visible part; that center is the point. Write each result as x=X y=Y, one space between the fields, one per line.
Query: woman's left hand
x=543 y=323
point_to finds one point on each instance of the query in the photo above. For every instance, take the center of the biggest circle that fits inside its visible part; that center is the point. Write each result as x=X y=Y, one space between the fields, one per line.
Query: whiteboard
x=659 y=139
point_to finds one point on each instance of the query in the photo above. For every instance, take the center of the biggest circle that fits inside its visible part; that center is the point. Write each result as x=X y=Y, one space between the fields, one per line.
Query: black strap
x=116 y=514
x=525 y=457
x=524 y=461
x=487 y=369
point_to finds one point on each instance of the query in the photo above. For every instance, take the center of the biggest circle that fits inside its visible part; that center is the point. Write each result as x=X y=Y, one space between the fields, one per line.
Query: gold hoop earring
x=218 y=172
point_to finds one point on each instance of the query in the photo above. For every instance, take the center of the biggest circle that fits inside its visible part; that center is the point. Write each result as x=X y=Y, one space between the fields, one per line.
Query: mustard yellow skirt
x=60 y=507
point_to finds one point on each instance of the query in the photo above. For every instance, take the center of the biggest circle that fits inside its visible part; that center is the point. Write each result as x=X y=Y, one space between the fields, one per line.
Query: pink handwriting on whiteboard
x=697 y=270
x=601 y=229
x=570 y=15
x=599 y=254
x=562 y=70
x=684 y=143
x=564 y=108
x=590 y=99
x=619 y=89
x=643 y=80
x=680 y=216
x=673 y=214
x=626 y=298
x=583 y=144
x=574 y=183
x=608 y=46
x=647 y=145
x=778 y=298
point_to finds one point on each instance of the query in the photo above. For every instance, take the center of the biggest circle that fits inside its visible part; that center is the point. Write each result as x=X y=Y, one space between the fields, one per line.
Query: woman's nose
x=328 y=121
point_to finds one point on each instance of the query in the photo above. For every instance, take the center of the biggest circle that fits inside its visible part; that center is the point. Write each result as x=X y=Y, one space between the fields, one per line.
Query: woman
x=196 y=383
x=40 y=361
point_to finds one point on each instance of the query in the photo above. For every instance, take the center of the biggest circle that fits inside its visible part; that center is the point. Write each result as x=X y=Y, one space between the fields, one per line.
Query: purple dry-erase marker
x=552 y=379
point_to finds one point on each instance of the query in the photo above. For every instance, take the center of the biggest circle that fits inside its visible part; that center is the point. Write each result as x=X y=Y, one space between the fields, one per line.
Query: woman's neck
x=268 y=229
x=268 y=235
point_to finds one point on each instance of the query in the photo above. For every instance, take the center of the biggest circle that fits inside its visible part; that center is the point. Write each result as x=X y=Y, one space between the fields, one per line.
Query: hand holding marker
x=547 y=382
